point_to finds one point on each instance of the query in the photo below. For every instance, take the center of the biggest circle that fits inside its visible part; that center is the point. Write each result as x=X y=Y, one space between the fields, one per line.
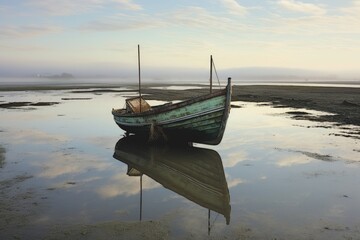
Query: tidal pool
x=62 y=168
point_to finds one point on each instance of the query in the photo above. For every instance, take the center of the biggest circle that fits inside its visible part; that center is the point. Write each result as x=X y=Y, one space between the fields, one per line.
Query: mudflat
x=343 y=103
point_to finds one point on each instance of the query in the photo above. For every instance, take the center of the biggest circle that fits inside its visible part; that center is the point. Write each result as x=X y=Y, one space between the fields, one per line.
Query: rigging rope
x=213 y=223
x=217 y=77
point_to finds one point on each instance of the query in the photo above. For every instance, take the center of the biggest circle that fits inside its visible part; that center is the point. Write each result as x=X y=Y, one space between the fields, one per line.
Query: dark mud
x=74 y=98
x=15 y=205
x=342 y=103
x=14 y=105
x=2 y=156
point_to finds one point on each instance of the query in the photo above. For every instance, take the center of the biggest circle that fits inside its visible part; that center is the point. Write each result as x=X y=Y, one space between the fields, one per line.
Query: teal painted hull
x=201 y=119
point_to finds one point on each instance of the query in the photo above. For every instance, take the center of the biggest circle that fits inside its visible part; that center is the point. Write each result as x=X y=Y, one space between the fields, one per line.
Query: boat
x=201 y=119
x=192 y=172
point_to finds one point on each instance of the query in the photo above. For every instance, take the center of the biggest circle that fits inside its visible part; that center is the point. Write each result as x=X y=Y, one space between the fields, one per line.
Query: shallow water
x=286 y=178
x=105 y=81
x=177 y=87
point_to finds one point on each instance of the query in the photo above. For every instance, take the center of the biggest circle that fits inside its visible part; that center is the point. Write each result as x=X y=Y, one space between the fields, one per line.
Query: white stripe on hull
x=171 y=120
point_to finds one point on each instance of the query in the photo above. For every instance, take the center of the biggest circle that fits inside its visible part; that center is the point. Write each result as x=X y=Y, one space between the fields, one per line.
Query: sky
x=101 y=36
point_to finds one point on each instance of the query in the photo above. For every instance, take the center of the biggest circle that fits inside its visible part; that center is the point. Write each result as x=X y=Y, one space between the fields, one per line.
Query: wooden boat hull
x=202 y=119
x=194 y=173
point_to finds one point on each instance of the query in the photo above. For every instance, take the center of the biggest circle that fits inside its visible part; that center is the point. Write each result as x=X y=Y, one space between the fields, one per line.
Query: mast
x=139 y=76
x=209 y=225
x=211 y=66
x=141 y=198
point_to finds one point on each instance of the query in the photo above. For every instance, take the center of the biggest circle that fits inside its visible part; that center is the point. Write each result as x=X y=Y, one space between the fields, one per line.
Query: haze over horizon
x=253 y=38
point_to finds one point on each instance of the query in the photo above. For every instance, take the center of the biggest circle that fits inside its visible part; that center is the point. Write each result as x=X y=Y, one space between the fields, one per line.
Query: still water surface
x=275 y=177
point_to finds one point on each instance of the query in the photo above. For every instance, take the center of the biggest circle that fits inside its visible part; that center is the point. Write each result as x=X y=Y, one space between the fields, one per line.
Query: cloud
x=333 y=28
x=4 y=9
x=70 y=7
x=123 y=22
x=338 y=25
x=27 y=31
x=234 y=7
x=22 y=48
x=190 y=17
x=353 y=10
x=128 y=5
x=301 y=7
x=198 y=17
x=65 y=7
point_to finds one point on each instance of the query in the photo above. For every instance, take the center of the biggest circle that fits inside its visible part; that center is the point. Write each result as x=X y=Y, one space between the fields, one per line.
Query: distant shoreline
x=46 y=83
x=71 y=84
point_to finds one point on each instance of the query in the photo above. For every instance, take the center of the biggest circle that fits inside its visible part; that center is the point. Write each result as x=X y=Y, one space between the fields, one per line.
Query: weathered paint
x=202 y=119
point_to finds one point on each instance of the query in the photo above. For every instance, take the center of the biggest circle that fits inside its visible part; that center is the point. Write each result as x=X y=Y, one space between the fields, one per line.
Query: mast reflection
x=194 y=173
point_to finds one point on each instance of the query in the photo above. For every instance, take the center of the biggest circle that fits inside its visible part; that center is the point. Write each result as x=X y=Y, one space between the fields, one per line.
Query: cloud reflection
x=123 y=185
x=289 y=161
x=235 y=157
x=234 y=182
x=33 y=136
x=58 y=164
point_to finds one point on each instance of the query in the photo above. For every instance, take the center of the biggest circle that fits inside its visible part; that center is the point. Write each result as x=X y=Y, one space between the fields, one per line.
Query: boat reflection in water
x=192 y=172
